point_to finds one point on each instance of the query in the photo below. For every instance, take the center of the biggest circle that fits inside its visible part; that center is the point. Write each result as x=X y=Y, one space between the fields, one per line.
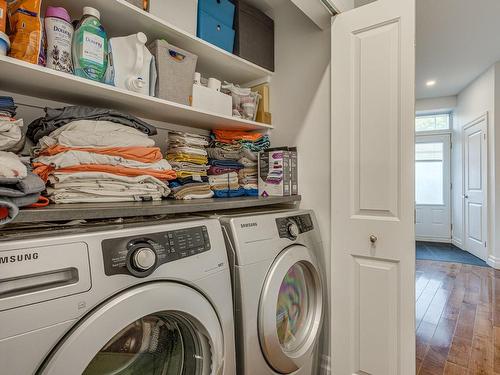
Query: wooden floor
x=457 y=319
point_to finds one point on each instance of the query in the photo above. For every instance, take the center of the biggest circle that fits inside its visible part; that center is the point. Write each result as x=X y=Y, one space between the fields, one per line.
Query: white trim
x=458 y=243
x=434 y=239
x=494 y=262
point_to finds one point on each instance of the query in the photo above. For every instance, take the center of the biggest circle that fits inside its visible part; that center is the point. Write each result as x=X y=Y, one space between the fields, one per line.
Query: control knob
x=293 y=229
x=143 y=258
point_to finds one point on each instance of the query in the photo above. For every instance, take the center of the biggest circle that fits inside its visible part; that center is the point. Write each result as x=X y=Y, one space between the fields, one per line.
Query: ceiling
x=457 y=40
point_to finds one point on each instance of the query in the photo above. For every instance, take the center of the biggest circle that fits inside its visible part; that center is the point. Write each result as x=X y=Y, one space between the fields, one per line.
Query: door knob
x=466 y=196
x=373 y=238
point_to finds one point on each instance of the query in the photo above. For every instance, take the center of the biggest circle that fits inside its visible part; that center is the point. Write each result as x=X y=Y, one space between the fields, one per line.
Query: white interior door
x=373 y=143
x=433 y=188
x=475 y=186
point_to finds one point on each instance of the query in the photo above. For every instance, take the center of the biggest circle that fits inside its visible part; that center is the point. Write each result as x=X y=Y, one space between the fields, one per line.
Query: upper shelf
x=24 y=78
x=121 y=18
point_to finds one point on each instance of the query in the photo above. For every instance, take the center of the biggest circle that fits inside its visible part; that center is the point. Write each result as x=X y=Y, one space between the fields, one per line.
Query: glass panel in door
x=432 y=188
x=157 y=344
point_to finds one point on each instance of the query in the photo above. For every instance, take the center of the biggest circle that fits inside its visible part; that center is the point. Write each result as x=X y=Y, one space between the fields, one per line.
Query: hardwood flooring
x=457 y=319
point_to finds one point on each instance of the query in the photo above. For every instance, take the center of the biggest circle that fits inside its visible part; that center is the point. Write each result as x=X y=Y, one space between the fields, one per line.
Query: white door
x=373 y=143
x=475 y=185
x=433 y=188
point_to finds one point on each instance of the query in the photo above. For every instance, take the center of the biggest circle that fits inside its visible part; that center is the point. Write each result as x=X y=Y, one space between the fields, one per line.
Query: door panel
x=372 y=275
x=475 y=183
x=433 y=188
x=376 y=151
x=373 y=189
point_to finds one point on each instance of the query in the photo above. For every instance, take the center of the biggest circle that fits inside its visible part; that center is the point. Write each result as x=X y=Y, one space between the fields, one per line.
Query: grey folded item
x=57 y=117
x=14 y=188
x=27 y=200
x=221 y=154
x=11 y=207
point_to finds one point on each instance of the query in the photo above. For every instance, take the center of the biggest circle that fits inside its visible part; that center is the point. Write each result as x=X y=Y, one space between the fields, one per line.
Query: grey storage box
x=175 y=68
x=254 y=35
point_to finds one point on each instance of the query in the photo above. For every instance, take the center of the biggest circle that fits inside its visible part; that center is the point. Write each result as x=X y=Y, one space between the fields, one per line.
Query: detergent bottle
x=130 y=63
x=90 y=47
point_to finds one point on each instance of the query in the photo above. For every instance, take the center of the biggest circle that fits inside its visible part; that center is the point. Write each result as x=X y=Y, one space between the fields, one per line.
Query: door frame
x=435 y=135
x=484 y=117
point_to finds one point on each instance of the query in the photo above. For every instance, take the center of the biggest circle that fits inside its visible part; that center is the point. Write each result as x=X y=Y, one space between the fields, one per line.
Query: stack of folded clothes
x=237 y=152
x=11 y=134
x=188 y=157
x=19 y=187
x=98 y=155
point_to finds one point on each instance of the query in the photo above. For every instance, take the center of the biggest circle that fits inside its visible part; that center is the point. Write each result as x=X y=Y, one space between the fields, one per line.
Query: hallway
x=457 y=319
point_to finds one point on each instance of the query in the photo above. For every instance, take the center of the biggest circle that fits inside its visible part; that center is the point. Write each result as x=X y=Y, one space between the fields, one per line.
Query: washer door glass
x=158 y=344
x=293 y=307
x=290 y=310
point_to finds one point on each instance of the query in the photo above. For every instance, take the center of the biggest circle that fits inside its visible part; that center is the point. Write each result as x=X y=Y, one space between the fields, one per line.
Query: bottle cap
x=58 y=12
x=91 y=12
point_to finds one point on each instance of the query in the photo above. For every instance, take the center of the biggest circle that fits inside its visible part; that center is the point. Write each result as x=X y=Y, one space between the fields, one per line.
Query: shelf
x=121 y=18
x=88 y=211
x=24 y=78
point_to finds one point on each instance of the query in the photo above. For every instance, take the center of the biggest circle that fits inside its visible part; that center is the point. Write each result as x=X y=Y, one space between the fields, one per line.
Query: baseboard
x=457 y=243
x=433 y=239
x=494 y=262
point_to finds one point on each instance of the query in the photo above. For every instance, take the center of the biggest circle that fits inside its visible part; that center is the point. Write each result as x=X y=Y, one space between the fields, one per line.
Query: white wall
x=474 y=101
x=300 y=104
x=436 y=105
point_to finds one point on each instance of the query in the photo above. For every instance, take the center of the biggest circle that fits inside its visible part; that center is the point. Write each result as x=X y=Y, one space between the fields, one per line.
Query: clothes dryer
x=278 y=282
x=129 y=299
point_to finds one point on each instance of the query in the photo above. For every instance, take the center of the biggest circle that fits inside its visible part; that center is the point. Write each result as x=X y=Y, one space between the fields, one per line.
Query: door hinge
x=451 y=226
x=485 y=244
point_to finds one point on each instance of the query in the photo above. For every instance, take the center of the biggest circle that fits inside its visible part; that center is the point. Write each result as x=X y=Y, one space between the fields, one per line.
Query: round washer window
x=157 y=344
x=292 y=309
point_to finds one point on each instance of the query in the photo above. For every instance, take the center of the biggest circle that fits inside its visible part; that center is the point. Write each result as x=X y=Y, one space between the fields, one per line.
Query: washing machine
x=129 y=299
x=279 y=291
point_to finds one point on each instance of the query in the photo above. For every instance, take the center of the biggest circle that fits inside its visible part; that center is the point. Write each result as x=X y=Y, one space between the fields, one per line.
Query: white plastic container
x=59 y=32
x=130 y=63
x=211 y=100
x=182 y=14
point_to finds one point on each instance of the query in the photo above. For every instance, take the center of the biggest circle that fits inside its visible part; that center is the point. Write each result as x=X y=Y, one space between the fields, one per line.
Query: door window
x=157 y=344
x=293 y=307
x=429 y=173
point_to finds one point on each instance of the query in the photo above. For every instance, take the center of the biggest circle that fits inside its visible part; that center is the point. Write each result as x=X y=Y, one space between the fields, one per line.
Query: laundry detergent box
x=278 y=172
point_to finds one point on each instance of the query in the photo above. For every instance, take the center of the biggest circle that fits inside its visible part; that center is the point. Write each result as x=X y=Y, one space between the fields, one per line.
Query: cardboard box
x=263 y=111
x=278 y=172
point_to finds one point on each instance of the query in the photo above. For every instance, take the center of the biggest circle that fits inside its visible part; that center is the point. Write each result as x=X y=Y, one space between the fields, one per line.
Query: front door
x=373 y=143
x=432 y=188
x=475 y=185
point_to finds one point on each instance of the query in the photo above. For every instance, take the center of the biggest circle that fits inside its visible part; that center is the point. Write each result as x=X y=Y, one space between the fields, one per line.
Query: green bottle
x=90 y=47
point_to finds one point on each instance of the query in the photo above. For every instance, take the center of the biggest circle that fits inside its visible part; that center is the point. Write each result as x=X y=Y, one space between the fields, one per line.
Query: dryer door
x=158 y=328
x=290 y=311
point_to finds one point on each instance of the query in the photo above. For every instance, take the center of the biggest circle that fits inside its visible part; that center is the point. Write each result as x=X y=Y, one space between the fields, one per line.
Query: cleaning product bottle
x=90 y=46
x=59 y=32
x=130 y=63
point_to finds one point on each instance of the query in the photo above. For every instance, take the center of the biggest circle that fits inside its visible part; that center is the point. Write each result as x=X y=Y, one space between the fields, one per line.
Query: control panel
x=141 y=255
x=290 y=227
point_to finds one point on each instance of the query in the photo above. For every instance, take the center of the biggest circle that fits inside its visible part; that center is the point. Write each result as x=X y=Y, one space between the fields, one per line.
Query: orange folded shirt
x=142 y=154
x=229 y=136
x=44 y=171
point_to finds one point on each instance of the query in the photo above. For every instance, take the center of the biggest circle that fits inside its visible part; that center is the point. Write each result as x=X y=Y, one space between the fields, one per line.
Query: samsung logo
x=249 y=225
x=19 y=258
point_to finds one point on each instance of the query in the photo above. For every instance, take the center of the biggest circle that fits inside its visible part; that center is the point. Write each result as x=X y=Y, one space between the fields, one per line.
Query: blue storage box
x=222 y=10
x=215 y=32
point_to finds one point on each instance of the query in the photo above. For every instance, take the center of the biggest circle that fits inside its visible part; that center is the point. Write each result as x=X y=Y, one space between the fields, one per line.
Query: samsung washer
x=279 y=294
x=148 y=299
